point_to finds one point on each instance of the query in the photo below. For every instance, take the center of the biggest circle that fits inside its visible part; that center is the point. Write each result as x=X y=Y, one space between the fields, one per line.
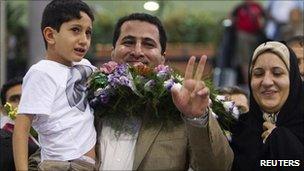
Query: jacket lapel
x=145 y=139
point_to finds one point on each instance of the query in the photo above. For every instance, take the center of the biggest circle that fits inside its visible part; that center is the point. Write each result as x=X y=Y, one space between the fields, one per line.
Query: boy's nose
x=84 y=40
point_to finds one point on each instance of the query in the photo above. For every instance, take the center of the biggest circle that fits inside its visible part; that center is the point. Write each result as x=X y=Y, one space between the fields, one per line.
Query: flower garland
x=119 y=91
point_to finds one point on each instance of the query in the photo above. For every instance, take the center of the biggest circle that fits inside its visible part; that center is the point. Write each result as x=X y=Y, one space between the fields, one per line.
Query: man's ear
x=112 y=53
x=163 y=58
x=48 y=34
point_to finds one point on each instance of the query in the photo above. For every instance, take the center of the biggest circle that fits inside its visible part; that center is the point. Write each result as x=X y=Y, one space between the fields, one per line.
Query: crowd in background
x=252 y=24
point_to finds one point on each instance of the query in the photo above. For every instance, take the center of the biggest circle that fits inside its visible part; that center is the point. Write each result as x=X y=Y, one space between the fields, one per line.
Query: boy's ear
x=48 y=34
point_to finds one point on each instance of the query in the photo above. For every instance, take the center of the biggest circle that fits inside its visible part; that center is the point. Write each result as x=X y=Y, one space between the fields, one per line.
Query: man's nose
x=138 y=52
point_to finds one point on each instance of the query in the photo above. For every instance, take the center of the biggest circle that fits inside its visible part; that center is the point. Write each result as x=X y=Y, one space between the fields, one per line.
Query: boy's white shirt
x=55 y=95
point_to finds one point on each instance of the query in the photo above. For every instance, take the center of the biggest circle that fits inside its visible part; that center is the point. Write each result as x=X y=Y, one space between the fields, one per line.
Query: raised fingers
x=200 y=68
x=189 y=68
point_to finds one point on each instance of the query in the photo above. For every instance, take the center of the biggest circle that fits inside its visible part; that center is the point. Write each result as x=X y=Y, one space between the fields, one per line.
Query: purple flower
x=163 y=71
x=121 y=69
x=104 y=98
x=119 y=77
x=102 y=94
x=168 y=84
x=124 y=80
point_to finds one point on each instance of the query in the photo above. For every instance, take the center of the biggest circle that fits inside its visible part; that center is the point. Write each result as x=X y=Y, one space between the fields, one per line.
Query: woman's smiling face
x=270 y=82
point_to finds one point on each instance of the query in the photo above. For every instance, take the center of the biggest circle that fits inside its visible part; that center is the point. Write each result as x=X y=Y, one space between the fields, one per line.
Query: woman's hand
x=268 y=127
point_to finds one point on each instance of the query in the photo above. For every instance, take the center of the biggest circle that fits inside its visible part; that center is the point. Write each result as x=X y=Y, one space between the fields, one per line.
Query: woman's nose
x=267 y=80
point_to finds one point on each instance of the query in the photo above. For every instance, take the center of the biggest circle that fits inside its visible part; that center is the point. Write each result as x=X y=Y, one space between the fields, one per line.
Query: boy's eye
x=75 y=29
x=89 y=32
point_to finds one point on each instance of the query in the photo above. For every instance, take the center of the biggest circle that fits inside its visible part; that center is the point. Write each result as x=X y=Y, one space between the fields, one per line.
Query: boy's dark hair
x=60 y=11
x=146 y=18
x=296 y=40
x=9 y=84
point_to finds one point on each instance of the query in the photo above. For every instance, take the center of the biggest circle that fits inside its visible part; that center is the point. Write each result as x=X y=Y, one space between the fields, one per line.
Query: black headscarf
x=286 y=142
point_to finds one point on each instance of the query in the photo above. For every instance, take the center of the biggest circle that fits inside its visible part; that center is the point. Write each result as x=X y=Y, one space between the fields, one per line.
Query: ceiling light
x=151 y=6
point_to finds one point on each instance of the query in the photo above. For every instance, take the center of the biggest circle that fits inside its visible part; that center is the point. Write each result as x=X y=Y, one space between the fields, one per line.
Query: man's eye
x=14 y=98
x=149 y=44
x=128 y=42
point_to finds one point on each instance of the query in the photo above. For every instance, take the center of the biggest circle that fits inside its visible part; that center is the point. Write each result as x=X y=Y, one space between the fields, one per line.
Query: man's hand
x=268 y=127
x=193 y=98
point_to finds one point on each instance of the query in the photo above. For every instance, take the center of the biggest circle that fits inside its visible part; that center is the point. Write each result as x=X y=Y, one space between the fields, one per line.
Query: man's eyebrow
x=128 y=37
x=150 y=40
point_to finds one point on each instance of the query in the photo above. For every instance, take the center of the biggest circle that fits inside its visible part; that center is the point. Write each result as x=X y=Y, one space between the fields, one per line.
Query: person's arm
x=210 y=149
x=20 y=141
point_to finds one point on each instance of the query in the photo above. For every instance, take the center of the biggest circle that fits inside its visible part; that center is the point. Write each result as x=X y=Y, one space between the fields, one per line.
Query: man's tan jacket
x=181 y=147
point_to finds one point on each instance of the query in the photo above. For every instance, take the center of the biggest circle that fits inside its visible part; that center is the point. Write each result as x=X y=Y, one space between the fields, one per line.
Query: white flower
x=179 y=78
x=149 y=85
x=177 y=86
x=228 y=135
x=235 y=112
x=220 y=98
x=168 y=84
x=228 y=105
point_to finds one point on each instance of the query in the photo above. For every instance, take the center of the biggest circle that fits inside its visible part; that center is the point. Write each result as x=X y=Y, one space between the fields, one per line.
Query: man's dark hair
x=296 y=40
x=146 y=18
x=9 y=84
x=60 y=11
x=232 y=90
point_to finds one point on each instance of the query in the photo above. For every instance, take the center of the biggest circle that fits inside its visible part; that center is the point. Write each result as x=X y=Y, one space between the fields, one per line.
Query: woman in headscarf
x=271 y=135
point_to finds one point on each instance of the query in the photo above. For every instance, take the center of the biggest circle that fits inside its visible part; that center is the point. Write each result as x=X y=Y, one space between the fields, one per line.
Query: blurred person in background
x=248 y=18
x=278 y=15
x=10 y=93
x=295 y=26
x=297 y=45
x=273 y=127
x=237 y=95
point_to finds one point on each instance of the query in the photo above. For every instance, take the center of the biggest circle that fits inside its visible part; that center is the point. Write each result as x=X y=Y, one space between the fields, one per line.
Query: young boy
x=54 y=93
